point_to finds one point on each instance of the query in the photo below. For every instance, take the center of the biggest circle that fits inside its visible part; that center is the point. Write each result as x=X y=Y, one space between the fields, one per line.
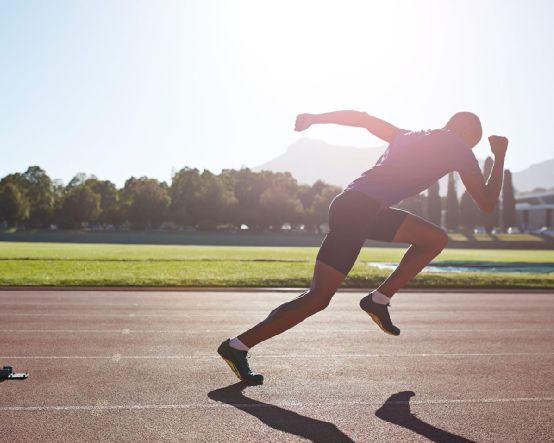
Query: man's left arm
x=486 y=194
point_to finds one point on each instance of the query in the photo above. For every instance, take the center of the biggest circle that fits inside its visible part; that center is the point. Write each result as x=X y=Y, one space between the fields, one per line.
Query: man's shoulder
x=441 y=139
x=422 y=136
x=432 y=133
x=441 y=136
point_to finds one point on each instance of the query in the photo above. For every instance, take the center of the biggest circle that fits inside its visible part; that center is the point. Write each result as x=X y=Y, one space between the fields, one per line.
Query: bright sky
x=129 y=87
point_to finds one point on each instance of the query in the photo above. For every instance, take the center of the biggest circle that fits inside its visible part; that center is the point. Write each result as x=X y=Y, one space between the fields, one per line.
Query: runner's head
x=467 y=126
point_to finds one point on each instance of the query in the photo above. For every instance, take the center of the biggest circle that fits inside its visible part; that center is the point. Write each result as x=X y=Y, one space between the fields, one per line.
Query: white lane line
x=94 y=303
x=118 y=357
x=207 y=331
x=5 y=315
x=57 y=408
x=184 y=304
x=245 y=313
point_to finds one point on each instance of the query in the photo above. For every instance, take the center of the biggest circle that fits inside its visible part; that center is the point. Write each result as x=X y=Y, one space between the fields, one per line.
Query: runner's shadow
x=279 y=418
x=396 y=410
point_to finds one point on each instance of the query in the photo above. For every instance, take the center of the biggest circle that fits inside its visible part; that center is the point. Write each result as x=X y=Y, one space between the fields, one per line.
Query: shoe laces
x=245 y=361
x=246 y=364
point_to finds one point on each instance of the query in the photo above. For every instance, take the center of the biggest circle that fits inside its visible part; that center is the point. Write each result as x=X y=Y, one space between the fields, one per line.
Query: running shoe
x=379 y=314
x=238 y=362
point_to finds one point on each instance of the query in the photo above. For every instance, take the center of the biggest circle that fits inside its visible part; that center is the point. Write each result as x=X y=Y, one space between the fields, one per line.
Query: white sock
x=235 y=343
x=382 y=299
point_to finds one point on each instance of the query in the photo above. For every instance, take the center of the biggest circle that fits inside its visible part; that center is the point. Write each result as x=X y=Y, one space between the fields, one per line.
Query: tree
x=214 y=201
x=38 y=189
x=452 y=208
x=469 y=212
x=490 y=220
x=278 y=207
x=184 y=192
x=508 y=201
x=146 y=201
x=307 y=194
x=315 y=201
x=279 y=201
x=434 y=204
x=321 y=203
x=247 y=187
x=109 y=200
x=14 y=206
x=80 y=205
x=78 y=180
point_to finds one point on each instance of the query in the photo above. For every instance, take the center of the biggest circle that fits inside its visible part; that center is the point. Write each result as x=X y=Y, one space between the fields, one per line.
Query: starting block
x=6 y=373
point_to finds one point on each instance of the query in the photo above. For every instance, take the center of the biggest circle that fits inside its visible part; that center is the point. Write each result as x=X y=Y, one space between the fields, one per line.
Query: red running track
x=129 y=366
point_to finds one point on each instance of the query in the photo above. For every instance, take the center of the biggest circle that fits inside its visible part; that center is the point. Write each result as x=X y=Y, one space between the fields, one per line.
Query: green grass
x=63 y=264
x=457 y=236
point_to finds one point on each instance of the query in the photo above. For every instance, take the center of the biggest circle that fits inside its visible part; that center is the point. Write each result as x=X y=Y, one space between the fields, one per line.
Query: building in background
x=535 y=210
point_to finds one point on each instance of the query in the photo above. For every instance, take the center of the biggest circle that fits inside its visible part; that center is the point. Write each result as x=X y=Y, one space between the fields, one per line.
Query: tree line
x=203 y=200
x=259 y=200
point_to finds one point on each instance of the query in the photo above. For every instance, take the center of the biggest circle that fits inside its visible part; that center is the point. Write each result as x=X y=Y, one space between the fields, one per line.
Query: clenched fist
x=499 y=145
x=303 y=122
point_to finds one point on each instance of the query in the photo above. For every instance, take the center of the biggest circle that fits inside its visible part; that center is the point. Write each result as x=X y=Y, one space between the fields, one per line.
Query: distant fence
x=223 y=238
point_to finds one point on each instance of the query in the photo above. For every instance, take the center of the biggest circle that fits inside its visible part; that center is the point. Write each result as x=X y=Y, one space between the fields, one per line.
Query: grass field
x=69 y=264
x=498 y=237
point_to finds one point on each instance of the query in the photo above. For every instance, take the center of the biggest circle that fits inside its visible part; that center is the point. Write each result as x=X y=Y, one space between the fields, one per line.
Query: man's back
x=413 y=162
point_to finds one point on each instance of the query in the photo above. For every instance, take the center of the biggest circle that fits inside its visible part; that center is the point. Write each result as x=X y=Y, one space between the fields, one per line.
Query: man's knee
x=318 y=300
x=434 y=240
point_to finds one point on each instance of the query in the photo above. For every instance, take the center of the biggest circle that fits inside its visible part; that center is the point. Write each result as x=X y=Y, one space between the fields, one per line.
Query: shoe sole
x=237 y=373
x=233 y=368
x=377 y=320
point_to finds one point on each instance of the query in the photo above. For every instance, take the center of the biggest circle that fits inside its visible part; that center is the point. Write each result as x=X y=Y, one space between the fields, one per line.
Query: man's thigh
x=340 y=249
x=384 y=225
x=418 y=231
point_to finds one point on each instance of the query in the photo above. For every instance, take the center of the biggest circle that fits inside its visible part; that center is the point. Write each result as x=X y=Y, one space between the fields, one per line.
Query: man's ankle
x=380 y=298
x=235 y=343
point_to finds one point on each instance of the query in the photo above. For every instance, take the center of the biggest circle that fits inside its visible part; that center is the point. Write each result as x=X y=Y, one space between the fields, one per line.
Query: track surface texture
x=142 y=366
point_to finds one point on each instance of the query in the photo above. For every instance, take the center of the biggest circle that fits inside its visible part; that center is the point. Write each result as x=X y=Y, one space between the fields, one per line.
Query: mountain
x=309 y=160
x=539 y=175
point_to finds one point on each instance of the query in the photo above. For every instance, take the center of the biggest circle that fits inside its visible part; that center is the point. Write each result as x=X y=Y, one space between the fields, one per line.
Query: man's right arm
x=380 y=128
x=486 y=194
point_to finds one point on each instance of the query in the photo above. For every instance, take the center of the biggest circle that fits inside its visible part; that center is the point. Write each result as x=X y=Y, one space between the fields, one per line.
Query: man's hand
x=303 y=122
x=499 y=145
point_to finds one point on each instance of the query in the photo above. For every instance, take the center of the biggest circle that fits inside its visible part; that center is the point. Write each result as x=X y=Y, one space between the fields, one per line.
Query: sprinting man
x=412 y=162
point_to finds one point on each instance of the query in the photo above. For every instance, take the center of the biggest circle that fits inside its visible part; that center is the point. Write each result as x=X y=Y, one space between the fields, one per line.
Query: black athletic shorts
x=355 y=217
